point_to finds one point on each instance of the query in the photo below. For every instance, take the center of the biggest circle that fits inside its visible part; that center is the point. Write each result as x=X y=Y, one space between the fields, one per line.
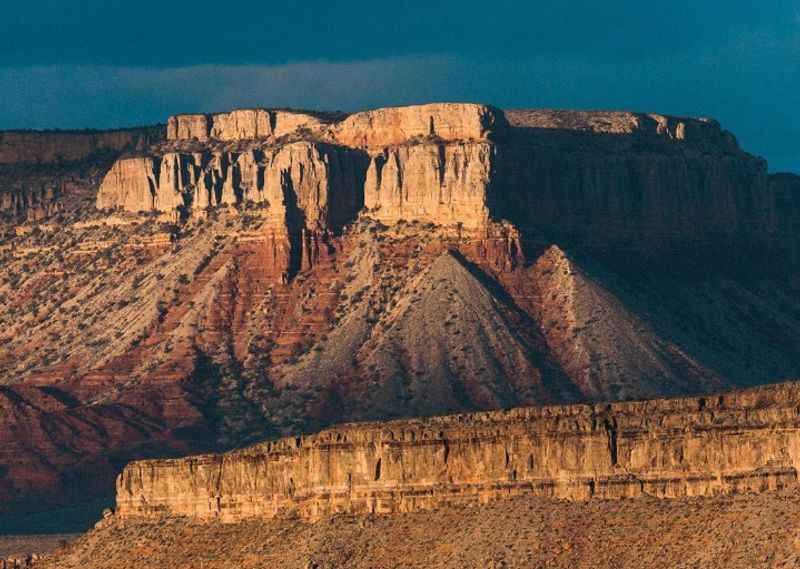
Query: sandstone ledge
x=740 y=442
x=245 y=124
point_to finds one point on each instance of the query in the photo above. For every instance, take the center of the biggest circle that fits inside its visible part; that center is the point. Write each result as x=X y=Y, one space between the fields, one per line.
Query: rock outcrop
x=39 y=200
x=312 y=185
x=740 y=442
x=399 y=125
x=441 y=183
x=245 y=124
x=130 y=184
x=691 y=130
x=617 y=182
x=48 y=172
x=622 y=195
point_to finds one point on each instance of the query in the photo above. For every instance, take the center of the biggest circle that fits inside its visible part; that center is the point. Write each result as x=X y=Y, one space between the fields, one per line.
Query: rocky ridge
x=738 y=442
x=246 y=124
x=51 y=147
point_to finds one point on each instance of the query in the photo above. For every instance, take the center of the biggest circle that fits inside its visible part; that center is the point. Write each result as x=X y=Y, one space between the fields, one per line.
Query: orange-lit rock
x=242 y=124
x=442 y=183
x=739 y=442
x=398 y=125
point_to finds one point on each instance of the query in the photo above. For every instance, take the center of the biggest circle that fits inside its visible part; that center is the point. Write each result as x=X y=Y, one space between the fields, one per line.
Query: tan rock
x=398 y=125
x=187 y=127
x=241 y=124
x=131 y=184
x=440 y=183
x=178 y=173
x=740 y=442
x=298 y=179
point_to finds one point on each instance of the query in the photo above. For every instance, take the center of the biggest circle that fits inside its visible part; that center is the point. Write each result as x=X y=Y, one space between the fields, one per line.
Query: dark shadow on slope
x=554 y=378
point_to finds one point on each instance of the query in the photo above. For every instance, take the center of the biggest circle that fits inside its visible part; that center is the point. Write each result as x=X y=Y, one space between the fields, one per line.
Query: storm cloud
x=93 y=64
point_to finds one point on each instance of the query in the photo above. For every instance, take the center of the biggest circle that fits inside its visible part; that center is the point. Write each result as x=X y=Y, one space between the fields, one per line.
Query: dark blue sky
x=88 y=63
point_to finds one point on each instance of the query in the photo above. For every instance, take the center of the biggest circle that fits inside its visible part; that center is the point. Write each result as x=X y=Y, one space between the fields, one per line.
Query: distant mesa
x=621 y=178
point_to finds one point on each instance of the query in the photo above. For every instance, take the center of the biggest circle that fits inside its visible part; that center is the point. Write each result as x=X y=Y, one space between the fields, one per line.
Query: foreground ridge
x=747 y=441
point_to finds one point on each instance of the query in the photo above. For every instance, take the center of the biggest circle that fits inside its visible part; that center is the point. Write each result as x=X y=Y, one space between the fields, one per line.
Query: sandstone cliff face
x=616 y=182
x=130 y=184
x=436 y=183
x=747 y=441
x=297 y=180
x=243 y=124
x=398 y=125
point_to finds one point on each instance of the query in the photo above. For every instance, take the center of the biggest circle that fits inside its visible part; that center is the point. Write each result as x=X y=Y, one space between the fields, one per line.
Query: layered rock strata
x=622 y=182
x=317 y=183
x=740 y=442
x=48 y=147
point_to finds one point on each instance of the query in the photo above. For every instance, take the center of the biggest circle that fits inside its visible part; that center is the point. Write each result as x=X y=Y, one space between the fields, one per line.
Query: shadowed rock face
x=47 y=147
x=748 y=441
x=786 y=191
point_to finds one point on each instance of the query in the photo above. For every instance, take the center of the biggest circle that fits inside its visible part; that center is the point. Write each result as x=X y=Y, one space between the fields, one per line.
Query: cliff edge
x=745 y=441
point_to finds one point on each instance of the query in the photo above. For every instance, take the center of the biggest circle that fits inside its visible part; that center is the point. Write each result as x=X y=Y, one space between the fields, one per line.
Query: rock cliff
x=614 y=182
x=298 y=277
x=442 y=183
x=399 y=125
x=303 y=184
x=47 y=147
x=245 y=124
x=739 y=442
